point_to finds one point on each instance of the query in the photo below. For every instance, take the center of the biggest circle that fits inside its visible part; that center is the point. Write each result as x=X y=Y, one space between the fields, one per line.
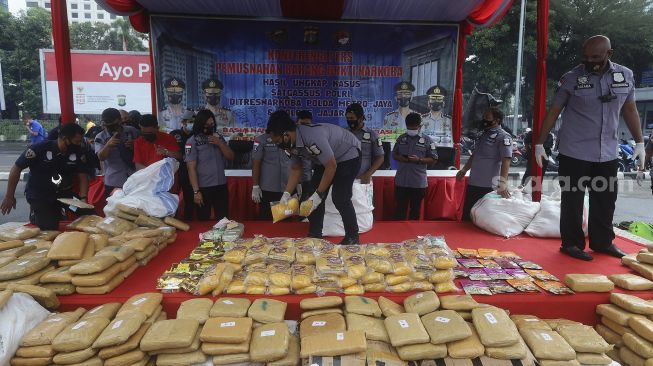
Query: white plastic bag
x=362 y=198
x=17 y=317
x=546 y=223
x=147 y=189
x=504 y=217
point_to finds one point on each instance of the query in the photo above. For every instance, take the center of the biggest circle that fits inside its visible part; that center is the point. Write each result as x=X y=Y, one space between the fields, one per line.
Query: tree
x=87 y=35
x=118 y=36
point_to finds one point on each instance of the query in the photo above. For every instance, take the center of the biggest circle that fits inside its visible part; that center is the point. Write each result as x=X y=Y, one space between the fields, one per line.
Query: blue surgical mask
x=189 y=126
x=412 y=132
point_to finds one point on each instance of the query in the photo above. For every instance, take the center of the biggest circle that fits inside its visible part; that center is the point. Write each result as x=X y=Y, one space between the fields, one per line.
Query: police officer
x=52 y=166
x=489 y=163
x=213 y=93
x=413 y=151
x=335 y=153
x=181 y=136
x=206 y=152
x=270 y=168
x=437 y=126
x=403 y=94
x=114 y=147
x=170 y=118
x=305 y=117
x=372 y=154
x=593 y=95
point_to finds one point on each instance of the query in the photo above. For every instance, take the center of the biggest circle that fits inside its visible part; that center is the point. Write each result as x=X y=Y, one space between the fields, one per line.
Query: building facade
x=78 y=10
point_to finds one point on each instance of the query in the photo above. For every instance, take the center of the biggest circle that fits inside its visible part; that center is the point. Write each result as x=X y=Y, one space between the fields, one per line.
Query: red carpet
x=578 y=307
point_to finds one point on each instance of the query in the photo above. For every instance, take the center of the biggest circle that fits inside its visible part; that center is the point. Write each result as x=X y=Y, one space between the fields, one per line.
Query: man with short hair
x=52 y=164
x=36 y=131
x=114 y=147
x=153 y=145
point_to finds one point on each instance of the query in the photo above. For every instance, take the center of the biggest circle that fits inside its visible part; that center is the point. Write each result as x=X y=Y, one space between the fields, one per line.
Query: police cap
x=404 y=86
x=436 y=91
x=174 y=84
x=212 y=84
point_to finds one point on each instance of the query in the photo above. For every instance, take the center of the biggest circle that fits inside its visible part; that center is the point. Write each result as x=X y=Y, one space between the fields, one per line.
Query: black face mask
x=594 y=66
x=174 y=98
x=485 y=124
x=114 y=128
x=208 y=130
x=285 y=145
x=213 y=99
x=404 y=101
x=352 y=123
x=436 y=106
x=151 y=137
x=73 y=148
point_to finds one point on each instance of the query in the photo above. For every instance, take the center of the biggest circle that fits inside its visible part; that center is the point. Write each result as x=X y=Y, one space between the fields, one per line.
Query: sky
x=16 y=5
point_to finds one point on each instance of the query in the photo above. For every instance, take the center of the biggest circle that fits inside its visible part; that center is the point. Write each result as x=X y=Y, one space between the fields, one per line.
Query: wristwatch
x=322 y=195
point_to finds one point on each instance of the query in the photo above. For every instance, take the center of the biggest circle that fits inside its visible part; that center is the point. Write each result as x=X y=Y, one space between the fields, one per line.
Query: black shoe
x=314 y=236
x=576 y=252
x=612 y=250
x=350 y=240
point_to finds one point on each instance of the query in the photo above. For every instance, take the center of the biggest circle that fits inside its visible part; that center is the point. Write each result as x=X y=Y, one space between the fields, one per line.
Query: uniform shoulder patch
x=30 y=154
x=188 y=148
x=433 y=146
x=507 y=141
x=314 y=150
x=366 y=136
x=379 y=142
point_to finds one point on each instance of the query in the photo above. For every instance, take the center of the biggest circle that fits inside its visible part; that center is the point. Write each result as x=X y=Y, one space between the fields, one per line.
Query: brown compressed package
x=127 y=263
x=180 y=359
x=494 y=327
x=446 y=326
x=422 y=303
x=59 y=275
x=192 y=348
x=631 y=358
x=426 y=351
x=68 y=245
x=107 y=311
x=79 y=335
x=405 y=329
x=43 y=296
x=147 y=253
x=292 y=358
x=19 y=233
x=145 y=303
x=631 y=282
x=115 y=226
x=98 y=241
x=588 y=282
x=322 y=323
x=593 y=359
x=269 y=343
x=59 y=289
x=217 y=349
x=227 y=330
x=6 y=260
x=458 y=303
x=468 y=348
x=195 y=309
x=11 y=244
x=22 y=267
x=37 y=252
x=267 y=311
x=126 y=359
x=47 y=330
x=363 y=306
x=74 y=357
x=19 y=361
x=134 y=211
x=45 y=351
x=32 y=279
x=517 y=351
x=374 y=328
x=333 y=344
x=646 y=270
x=119 y=330
x=231 y=359
x=17 y=252
x=93 y=265
x=176 y=223
x=307 y=314
x=102 y=289
x=139 y=244
x=230 y=307
x=615 y=313
x=557 y=323
x=157 y=315
x=5 y=295
x=583 y=338
x=129 y=271
x=389 y=307
x=645 y=257
x=86 y=223
x=48 y=235
x=609 y=335
x=639 y=345
x=614 y=354
x=548 y=345
x=643 y=328
x=177 y=333
x=559 y=363
x=529 y=321
x=632 y=303
x=325 y=302
x=119 y=252
x=131 y=344
x=617 y=328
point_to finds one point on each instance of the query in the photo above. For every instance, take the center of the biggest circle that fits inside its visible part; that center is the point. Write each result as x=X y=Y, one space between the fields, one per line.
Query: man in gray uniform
x=372 y=154
x=170 y=117
x=270 y=167
x=593 y=95
x=213 y=93
x=413 y=152
x=403 y=94
x=489 y=163
x=335 y=153
x=114 y=147
x=437 y=126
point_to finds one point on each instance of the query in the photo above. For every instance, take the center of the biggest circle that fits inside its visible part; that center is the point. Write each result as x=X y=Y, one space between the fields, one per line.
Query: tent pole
x=152 y=86
x=464 y=31
x=61 y=41
x=540 y=90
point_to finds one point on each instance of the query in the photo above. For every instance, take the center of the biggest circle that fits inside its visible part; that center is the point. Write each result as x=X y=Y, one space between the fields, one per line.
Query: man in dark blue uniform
x=53 y=165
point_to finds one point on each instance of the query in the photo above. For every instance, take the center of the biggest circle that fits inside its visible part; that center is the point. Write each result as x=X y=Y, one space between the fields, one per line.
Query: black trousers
x=342 y=184
x=265 y=212
x=600 y=179
x=187 y=189
x=406 y=195
x=216 y=198
x=529 y=171
x=108 y=190
x=472 y=195
x=46 y=214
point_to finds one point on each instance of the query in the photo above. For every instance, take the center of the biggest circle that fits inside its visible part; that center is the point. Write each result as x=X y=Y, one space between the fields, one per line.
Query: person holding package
x=335 y=153
x=592 y=97
x=206 y=152
x=114 y=147
x=489 y=163
x=153 y=145
x=414 y=152
x=270 y=167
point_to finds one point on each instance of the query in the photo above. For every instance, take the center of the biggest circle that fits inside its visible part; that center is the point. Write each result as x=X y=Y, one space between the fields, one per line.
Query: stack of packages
x=23 y=255
x=626 y=323
x=140 y=218
x=641 y=262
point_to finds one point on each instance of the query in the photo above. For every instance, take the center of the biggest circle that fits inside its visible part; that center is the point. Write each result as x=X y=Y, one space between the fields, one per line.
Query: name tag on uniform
x=620 y=85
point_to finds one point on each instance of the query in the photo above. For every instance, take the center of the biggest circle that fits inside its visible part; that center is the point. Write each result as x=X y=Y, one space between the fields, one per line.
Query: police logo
x=48 y=155
x=269 y=139
x=188 y=148
x=212 y=84
x=494 y=135
x=178 y=138
x=174 y=82
x=57 y=181
x=366 y=136
x=507 y=141
x=30 y=154
x=314 y=150
x=72 y=157
x=421 y=140
x=433 y=147
x=380 y=142
x=618 y=77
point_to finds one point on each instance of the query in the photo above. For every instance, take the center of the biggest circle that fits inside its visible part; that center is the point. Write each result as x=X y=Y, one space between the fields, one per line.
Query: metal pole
x=520 y=46
x=61 y=40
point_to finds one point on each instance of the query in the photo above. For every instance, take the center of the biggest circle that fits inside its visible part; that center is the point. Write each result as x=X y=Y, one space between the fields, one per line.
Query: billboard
x=101 y=79
x=243 y=70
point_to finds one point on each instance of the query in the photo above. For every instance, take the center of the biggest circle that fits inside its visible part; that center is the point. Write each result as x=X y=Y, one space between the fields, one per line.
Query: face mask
x=594 y=66
x=213 y=99
x=285 y=145
x=436 y=106
x=352 y=123
x=114 y=128
x=189 y=127
x=72 y=148
x=486 y=123
x=208 y=129
x=151 y=137
x=404 y=101
x=412 y=132
x=174 y=98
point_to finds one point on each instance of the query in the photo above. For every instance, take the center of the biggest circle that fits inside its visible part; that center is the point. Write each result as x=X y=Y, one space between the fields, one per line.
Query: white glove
x=285 y=198
x=540 y=154
x=257 y=194
x=640 y=153
x=640 y=177
x=316 y=201
x=299 y=190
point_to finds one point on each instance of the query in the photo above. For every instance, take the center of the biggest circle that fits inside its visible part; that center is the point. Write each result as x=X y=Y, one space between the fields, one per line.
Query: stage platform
x=579 y=307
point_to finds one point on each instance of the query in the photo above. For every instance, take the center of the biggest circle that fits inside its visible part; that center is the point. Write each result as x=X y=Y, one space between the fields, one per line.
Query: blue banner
x=244 y=70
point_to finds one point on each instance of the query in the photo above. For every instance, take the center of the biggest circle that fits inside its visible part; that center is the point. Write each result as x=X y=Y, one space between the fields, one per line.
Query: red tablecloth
x=578 y=307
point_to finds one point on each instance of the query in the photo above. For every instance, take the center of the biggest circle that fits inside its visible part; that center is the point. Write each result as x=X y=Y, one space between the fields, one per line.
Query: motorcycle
x=627 y=161
x=518 y=154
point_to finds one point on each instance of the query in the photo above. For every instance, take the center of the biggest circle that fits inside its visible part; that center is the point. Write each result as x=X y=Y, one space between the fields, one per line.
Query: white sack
x=504 y=217
x=17 y=317
x=362 y=198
